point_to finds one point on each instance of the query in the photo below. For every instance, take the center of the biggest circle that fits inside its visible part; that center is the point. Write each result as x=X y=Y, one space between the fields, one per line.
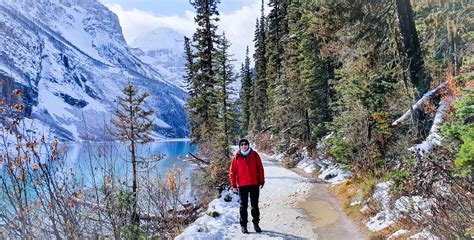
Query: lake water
x=92 y=159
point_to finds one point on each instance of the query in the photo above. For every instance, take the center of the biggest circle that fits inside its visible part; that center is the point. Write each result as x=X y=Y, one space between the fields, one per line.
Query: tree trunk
x=411 y=48
x=224 y=102
x=307 y=134
x=135 y=217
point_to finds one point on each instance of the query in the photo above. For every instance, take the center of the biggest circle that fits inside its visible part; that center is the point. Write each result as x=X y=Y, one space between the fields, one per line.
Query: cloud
x=135 y=22
x=239 y=26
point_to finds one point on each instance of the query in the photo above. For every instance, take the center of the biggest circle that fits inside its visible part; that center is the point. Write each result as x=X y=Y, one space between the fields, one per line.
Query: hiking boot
x=257 y=228
x=244 y=229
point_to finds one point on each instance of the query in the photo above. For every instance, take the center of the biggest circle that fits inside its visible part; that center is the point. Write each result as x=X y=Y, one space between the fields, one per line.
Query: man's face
x=244 y=146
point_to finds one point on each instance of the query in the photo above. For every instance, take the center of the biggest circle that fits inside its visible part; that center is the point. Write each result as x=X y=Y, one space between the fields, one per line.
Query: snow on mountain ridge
x=160 y=38
x=71 y=60
x=163 y=49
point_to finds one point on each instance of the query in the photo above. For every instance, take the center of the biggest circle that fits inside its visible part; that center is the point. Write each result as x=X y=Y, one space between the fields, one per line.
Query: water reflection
x=91 y=158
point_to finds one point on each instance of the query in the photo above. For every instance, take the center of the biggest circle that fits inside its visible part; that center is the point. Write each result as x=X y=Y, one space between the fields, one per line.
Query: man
x=246 y=176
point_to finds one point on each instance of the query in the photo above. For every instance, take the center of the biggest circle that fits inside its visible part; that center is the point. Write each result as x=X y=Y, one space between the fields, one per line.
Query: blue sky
x=237 y=19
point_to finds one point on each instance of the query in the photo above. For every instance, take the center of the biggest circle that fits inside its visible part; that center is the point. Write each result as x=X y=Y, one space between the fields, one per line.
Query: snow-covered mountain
x=163 y=49
x=71 y=60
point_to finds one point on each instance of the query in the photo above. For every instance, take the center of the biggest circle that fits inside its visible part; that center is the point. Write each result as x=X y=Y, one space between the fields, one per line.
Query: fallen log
x=188 y=209
x=434 y=138
x=266 y=129
x=419 y=103
x=199 y=159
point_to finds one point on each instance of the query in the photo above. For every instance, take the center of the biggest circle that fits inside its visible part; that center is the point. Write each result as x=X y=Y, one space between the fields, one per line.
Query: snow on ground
x=385 y=217
x=307 y=164
x=425 y=234
x=397 y=234
x=328 y=170
x=279 y=217
x=413 y=206
x=332 y=173
x=278 y=157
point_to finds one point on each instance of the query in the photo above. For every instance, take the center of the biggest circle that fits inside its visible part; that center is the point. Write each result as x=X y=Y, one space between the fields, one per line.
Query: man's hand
x=261 y=186
x=235 y=190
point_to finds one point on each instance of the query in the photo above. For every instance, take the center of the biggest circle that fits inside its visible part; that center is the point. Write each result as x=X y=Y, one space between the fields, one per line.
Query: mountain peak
x=71 y=60
x=160 y=38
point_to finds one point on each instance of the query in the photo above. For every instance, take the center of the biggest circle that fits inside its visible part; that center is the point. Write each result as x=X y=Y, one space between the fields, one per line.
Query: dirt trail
x=292 y=206
x=325 y=213
x=327 y=216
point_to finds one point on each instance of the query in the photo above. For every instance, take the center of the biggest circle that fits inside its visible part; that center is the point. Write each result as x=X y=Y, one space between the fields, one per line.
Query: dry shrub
x=433 y=177
x=215 y=175
x=164 y=198
x=42 y=198
x=264 y=142
x=288 y=162
x=354 y=190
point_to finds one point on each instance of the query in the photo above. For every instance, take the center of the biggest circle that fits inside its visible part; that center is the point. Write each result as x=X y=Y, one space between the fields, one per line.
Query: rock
x=227 y=198
x=214 y=214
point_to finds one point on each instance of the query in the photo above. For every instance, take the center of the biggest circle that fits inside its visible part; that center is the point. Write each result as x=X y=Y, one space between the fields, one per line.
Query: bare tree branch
x=199 y=159
x=418 y=104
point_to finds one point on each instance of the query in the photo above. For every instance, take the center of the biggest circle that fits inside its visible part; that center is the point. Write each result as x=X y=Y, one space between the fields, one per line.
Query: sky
x=237 y=19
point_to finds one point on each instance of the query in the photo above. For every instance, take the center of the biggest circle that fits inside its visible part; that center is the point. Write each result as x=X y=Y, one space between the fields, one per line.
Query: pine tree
x=411 y=50
x=289 y=109
x=192 y=88
x=133 y=126
x=246 y=93
x=259 y=105
x=205 y=103
x=225 y=77
x=361 y=37
x=316 y=73
x=277 y=89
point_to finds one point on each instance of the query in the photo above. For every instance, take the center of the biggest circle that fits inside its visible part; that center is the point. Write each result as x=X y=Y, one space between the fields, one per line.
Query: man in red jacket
x=246 y=175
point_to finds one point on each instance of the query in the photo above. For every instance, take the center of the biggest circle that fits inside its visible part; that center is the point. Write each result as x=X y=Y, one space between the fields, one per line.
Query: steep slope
x=162 y=48
x=71 y=61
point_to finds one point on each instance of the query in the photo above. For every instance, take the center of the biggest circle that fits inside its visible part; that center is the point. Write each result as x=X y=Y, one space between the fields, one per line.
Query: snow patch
x=307 y=164
x=208 y=227
x=415 y=206
x=332 y=173
x=397 y=234
x=278 y=157
x=434 y=138
x=425 y=234
x=386 y=217
x=355 y=203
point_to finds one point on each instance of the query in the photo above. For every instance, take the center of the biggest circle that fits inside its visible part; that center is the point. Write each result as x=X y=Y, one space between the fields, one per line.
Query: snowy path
x=281 y=218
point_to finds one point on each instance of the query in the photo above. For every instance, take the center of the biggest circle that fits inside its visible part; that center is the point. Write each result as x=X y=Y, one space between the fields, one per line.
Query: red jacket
x=246 y=171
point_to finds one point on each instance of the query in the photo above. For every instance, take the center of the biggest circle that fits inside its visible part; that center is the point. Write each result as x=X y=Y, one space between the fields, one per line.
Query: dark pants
x=244 y=192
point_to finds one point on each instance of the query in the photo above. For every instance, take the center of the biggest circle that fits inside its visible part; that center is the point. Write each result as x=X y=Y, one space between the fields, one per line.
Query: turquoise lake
x=83 y=157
